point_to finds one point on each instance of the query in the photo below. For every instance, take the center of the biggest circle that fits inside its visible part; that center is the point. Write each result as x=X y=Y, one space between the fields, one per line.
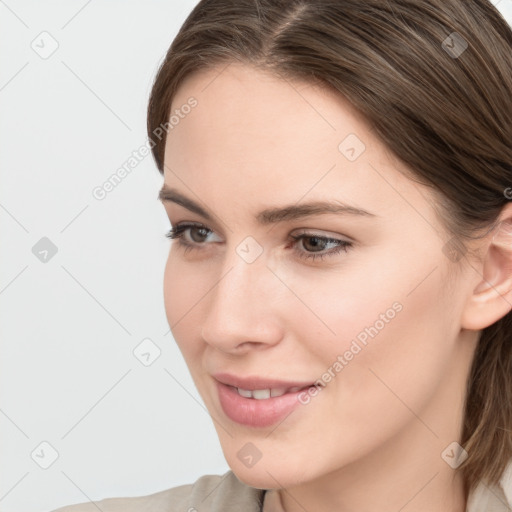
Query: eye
x=199 y=233
x=319 y=243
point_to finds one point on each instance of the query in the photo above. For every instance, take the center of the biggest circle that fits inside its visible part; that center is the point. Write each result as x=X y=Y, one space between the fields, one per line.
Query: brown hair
x=442 y=108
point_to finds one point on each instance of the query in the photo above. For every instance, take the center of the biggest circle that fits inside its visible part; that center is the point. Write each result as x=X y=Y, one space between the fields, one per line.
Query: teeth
x=245 y=393
x=263 y=394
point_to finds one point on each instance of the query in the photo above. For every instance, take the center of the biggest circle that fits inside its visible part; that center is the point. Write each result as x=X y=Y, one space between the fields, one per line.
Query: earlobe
x=491 y=298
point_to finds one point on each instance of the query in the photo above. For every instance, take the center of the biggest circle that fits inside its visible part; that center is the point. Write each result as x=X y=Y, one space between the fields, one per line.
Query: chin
x=257 y=477
x=266 y=476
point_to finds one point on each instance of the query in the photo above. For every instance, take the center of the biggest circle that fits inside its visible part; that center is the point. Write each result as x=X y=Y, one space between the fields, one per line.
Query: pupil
x=316 y=241
x=203 y=233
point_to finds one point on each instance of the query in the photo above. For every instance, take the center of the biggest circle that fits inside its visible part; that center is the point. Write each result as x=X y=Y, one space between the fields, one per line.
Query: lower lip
x=256 y=413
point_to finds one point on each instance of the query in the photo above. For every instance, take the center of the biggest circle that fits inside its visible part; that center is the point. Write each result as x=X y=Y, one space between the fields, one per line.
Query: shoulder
x=213 y=493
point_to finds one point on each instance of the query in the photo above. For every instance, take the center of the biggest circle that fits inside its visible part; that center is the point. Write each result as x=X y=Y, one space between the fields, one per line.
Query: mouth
x=266 y=393
x=261 y=388
x=257 y=402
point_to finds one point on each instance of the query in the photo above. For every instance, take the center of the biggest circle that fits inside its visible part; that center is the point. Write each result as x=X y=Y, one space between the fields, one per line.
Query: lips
x=257 y=402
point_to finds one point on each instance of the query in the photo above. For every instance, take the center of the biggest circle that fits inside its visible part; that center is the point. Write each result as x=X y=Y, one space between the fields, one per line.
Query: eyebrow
x=270 y=215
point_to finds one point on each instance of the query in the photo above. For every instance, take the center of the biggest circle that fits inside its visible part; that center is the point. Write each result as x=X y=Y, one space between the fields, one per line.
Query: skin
x=372 y=439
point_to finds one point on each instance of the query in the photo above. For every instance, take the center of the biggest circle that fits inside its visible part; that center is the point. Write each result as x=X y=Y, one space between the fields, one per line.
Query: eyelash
x=178 y=231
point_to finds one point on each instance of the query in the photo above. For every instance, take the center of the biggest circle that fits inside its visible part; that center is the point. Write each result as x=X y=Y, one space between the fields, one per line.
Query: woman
x=337 y=175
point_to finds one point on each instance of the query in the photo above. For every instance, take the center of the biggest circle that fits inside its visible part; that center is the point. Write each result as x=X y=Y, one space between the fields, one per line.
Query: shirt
x=225 y=493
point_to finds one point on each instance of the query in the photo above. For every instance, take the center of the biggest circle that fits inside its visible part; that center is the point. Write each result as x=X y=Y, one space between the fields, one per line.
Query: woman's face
x=361 y=305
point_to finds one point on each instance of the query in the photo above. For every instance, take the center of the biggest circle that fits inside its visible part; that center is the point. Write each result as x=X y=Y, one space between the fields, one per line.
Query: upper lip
x=252 y=383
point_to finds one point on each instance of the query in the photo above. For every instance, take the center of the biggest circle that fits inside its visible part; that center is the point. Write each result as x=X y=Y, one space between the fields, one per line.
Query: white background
x=69 y=325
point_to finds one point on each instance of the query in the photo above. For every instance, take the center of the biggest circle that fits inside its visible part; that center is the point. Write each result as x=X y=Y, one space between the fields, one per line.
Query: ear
x=491 y=298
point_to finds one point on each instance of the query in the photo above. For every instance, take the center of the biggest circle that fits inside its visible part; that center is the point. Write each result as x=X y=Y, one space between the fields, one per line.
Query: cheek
x=395 y=337
x=393 y=319
x=173 y=284
x=185 y=283
x=354 y=301
x=181 y=299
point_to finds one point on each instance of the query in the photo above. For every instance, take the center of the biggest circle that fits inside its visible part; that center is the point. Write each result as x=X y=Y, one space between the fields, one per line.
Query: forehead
x=275 y=141
x=246 y=100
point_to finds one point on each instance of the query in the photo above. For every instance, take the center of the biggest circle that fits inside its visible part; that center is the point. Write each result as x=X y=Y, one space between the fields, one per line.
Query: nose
x=243 y=311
